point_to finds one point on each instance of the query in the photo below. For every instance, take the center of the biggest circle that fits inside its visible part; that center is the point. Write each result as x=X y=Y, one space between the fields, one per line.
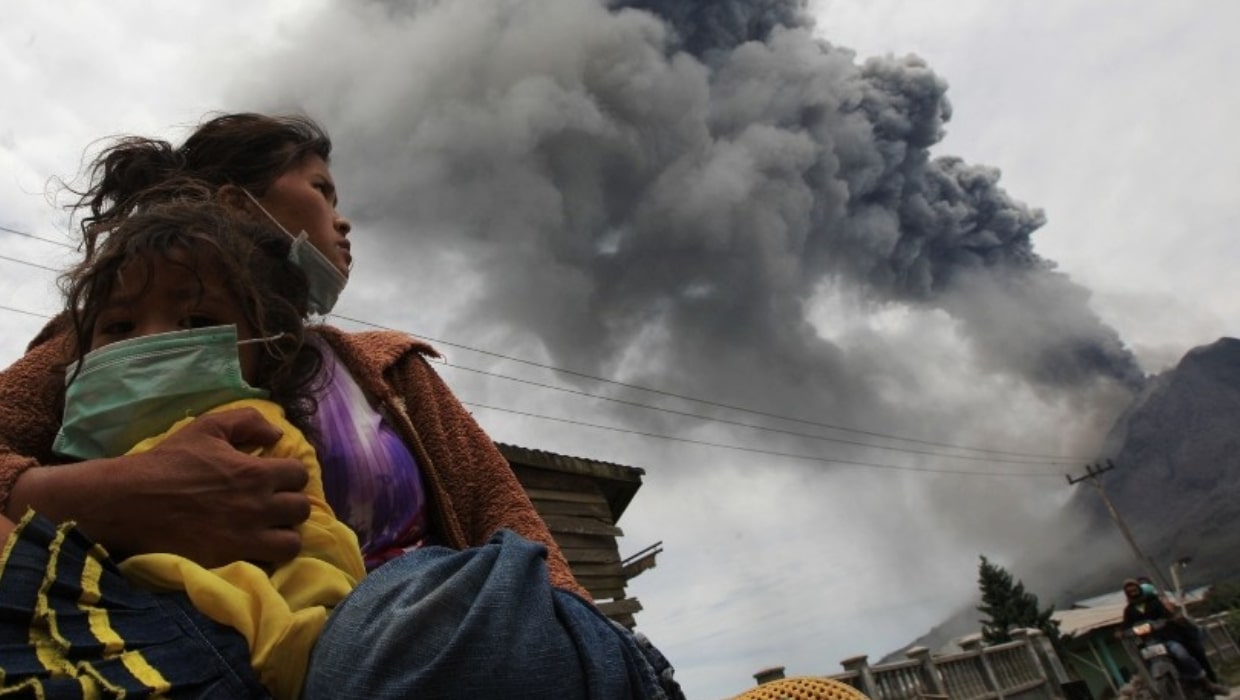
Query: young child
x=184 y=309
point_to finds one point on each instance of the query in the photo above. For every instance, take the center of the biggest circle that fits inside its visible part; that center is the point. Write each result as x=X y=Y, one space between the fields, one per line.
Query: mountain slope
x=1176 y=450
x=1177 y=453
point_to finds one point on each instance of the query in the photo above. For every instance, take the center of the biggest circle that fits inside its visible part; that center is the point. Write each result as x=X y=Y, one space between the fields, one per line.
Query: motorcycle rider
x=1145 y=607
x=1189 y=634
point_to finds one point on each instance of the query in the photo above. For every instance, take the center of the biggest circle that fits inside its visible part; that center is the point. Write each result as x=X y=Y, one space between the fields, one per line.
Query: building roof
x=618 y=483
x=1104 y=611
x=1078 y=622
x=1116 y=597
x=1102 y=601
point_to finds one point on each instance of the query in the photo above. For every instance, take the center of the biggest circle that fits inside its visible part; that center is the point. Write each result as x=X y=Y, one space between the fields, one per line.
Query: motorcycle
x=1168 y=681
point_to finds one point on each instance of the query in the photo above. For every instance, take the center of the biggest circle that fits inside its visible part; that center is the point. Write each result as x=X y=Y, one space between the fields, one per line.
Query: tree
x=1008 y=606
x=1223 y=597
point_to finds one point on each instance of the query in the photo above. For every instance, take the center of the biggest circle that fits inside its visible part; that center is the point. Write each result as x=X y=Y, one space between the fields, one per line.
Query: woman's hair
x=246 y=149
x=250 y=259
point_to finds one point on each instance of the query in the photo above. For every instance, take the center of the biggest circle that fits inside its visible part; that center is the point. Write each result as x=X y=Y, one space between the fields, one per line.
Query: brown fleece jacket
x=473 y=492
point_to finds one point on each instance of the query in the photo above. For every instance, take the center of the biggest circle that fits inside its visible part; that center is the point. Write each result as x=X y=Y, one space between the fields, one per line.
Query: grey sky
x=477 y=148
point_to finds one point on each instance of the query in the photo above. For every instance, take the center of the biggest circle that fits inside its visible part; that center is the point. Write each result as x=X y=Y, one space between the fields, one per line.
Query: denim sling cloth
x=439 y=623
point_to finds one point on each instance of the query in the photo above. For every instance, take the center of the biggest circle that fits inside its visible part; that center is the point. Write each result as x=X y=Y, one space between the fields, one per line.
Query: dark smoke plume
x=663 y=197
x=936 y=222
x=703 y=27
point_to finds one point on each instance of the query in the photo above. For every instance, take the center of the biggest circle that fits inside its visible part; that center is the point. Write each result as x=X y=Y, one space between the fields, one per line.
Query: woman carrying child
x=490 y=610
x=184 y=309
x=223 y=504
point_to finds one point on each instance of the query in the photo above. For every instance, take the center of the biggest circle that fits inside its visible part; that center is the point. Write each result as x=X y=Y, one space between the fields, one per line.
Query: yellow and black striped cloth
x=71 y=626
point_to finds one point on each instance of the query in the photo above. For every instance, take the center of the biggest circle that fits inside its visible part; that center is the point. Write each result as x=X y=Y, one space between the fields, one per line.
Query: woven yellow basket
x=803 y=688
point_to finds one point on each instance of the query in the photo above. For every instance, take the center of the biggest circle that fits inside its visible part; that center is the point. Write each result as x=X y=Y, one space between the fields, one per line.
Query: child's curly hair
x=251 y=259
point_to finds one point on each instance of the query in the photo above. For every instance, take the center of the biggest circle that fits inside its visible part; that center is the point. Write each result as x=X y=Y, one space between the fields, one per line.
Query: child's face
x=160 y=294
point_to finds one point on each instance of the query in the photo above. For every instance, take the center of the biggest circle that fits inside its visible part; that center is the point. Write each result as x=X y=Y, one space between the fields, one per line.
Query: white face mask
x=324 y=279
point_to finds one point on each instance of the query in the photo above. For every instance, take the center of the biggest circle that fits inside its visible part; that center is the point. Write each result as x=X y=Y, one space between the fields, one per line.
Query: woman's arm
x=280 y=613
x=483 y=494
x=30 y=408
x=196 y=495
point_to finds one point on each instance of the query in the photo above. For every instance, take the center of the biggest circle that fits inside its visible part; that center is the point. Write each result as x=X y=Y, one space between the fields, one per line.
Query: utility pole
x=1175 y=578
x=1093 y=472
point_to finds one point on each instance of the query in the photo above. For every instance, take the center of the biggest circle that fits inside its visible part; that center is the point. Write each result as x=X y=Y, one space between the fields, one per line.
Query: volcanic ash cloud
x=662 y=190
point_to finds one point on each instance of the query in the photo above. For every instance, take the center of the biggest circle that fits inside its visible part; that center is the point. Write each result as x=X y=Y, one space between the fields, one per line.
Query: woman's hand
x=197 y=494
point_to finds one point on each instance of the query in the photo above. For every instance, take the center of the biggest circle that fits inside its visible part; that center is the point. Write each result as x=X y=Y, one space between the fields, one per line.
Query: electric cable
x=754 y=450
x=984 y=450
x=29 y=264
x=985 y=454
x=53 y=241
x=23 y=311
x=742 y=424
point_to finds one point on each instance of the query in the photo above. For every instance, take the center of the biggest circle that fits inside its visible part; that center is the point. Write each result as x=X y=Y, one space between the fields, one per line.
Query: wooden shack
x=581 y=501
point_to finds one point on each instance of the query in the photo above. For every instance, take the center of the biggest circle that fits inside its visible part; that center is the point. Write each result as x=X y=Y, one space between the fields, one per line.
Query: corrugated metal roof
x=1079 y=622
x=1192 y=595
x=1105 y=611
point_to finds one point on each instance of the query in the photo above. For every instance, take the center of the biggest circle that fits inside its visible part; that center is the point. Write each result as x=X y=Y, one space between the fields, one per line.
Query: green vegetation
x=1223 y=597
x=1008 y=606
x=1228 y=672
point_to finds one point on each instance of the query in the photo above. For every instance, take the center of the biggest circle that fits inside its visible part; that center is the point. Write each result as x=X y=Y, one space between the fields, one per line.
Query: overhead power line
x=708 y=402
x=53 y=241
x=707 y=443
x=983 y=453
x=23 y=311
x=754 y=450
x=742 y=424
x=826 y=460
x=28 y=263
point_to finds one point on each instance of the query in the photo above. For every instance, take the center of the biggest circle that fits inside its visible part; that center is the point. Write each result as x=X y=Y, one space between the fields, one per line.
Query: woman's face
x=304 y=199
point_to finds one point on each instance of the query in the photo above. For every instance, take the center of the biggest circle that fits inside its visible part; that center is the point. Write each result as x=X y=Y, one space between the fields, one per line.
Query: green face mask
x=134 y=389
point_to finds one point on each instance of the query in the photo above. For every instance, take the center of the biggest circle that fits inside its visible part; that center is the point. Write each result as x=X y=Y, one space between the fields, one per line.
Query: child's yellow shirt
x=280 y=613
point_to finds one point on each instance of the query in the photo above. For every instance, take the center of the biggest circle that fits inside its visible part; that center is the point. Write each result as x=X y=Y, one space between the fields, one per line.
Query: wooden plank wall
x=580 y=520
